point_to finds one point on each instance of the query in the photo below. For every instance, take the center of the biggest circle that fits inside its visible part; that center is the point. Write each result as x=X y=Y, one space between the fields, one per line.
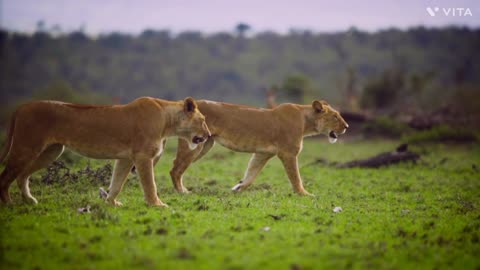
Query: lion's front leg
x=145 y=171
x=290 y=163
x=255 y=165
x=119 y=176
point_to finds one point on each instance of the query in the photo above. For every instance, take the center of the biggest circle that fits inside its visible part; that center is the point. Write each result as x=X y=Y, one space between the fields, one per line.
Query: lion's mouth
x=198 y=139
x=332 y=136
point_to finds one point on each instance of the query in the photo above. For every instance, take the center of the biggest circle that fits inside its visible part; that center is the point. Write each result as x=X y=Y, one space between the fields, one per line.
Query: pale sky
x=209 y=16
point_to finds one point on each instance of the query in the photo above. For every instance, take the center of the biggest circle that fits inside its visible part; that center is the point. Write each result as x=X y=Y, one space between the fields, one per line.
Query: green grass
x=423 y=216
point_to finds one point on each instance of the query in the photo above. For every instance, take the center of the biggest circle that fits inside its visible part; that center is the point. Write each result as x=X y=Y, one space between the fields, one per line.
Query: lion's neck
x=309 y=127
x=171 y=115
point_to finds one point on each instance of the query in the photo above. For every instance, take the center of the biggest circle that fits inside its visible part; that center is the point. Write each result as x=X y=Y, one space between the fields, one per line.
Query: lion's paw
x=238 y=187
x=157 y=203
x=183 y=190
x=114 y=202
x=30 y=200
x=160 y=204
x=117 y=203
x=306 y=193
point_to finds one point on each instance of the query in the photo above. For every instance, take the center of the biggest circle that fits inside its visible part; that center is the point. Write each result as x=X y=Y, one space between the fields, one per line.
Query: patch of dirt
x=161 y=231
x=184 y=254
x=211 y=183
x=277 y=217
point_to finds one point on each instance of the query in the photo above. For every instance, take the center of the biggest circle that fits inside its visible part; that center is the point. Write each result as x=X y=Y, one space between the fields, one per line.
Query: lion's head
x=327 y=120
x=192 y=126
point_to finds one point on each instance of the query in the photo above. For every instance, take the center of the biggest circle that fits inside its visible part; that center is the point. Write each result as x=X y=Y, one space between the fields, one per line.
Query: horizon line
x=251 y=33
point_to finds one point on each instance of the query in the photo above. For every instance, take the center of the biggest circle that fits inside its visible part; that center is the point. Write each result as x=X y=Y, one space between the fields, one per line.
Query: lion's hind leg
x=6 y=178
x=255 y=165
x=182 y=161
x=50 y=154
x=19 y=161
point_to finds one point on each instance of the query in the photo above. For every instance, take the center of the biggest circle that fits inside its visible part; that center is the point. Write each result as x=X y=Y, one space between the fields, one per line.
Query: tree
x=41 y=26
x=295 y=87
x=383 y=91
x=242 y=28
x=351 y=97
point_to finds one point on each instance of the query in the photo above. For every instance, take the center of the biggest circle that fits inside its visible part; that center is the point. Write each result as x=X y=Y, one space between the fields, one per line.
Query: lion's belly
x=247 y=145
x=99 y=151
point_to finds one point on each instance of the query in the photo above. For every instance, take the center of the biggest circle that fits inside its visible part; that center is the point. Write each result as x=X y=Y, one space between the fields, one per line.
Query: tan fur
x=264 y=132
x=133 y=134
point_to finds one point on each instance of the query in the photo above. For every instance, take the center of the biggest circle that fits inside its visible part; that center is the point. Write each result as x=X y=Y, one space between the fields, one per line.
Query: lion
x=265 y=133
x=132 y=134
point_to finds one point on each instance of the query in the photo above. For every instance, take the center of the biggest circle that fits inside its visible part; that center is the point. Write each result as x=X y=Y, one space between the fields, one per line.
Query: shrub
x=386 y=126
x=382 y=92
x=442 y=134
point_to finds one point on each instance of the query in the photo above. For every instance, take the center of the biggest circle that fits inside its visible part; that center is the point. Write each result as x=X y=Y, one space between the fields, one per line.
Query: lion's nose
x=206 y=131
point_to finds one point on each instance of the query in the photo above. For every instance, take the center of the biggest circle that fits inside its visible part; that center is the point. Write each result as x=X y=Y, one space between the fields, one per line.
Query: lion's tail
x=9 y=141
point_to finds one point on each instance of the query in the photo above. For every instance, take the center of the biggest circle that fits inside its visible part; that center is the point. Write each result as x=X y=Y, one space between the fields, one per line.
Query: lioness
x=132 y=134
x=264 y=132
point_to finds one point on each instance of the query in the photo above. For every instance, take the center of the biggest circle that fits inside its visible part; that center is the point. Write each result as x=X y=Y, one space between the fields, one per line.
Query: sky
x=210 y=16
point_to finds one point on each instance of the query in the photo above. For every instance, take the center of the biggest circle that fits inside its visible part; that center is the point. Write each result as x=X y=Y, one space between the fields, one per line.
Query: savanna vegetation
x=422 y=216
x=419 y=86
x=416 y=67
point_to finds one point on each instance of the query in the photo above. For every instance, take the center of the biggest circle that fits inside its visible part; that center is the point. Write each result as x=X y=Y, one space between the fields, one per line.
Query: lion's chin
x=192 y=145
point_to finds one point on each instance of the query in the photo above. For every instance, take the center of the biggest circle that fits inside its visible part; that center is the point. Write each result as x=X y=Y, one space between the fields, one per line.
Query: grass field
x=423 y=216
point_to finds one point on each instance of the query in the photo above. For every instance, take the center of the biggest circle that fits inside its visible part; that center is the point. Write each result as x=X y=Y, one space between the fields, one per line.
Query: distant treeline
x=231 y=66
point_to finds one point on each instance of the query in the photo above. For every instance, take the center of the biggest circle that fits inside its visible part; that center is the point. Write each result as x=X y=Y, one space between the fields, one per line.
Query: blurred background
x=416 y=64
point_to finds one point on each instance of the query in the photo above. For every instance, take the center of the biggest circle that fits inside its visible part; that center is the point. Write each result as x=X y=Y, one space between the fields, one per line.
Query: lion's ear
x=317 y=106
x=189 y=105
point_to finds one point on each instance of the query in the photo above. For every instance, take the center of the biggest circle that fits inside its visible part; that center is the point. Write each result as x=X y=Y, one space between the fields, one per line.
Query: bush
x=386 y=126
x=442 y=134
x=382 y=92
x=295 y=87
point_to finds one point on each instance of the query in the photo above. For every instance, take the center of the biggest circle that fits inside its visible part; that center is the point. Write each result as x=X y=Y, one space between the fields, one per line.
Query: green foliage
x=56 y=90
x=63 y=91
x=383 y=92
x=442 y=133
x=295 y=88
x=224 y=67
x=386 y=126
x=409 y=216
